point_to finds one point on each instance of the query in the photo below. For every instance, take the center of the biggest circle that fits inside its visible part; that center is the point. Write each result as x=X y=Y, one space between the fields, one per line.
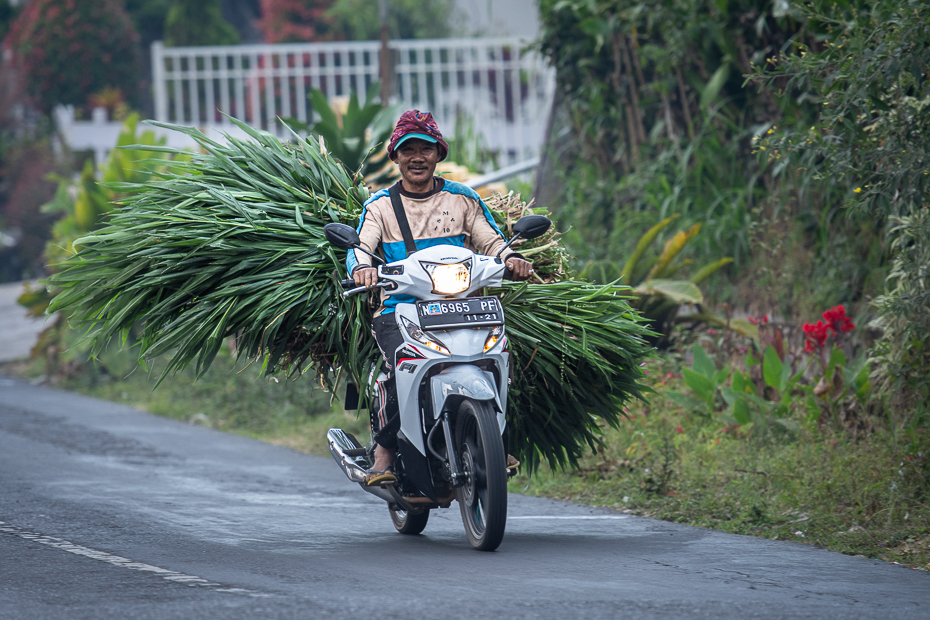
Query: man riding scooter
x=419 y=211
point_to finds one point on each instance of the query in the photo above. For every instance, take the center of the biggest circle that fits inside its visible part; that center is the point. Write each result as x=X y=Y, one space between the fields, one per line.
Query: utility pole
x=385 y=66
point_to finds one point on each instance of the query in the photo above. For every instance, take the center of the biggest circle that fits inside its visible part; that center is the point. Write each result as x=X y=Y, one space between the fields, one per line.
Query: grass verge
x=866 y=495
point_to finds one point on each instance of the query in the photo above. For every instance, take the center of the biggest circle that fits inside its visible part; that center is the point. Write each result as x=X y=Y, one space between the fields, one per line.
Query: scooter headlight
x=449 y=279
x=420 y=336
x=496 y=335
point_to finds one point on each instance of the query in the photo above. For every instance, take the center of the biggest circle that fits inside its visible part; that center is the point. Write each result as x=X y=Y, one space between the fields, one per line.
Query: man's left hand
x=519 y=268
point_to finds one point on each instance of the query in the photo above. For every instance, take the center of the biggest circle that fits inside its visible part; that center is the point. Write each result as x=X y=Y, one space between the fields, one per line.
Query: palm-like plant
x=356 y=137
x=660 y=293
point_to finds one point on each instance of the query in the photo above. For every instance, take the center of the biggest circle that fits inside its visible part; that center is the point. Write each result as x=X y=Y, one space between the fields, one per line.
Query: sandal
x=380 y=477
x=512 y=462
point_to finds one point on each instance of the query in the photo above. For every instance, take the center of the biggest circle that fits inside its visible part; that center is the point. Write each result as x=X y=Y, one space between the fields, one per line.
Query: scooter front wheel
x=483 y=497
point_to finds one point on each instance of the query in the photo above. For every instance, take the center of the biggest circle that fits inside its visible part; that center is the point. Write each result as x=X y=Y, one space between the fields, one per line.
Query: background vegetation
x=811 y=174
x=654 y=117
x=68 y=51
x=285 y=21
x=796 y=136
x=198 y=22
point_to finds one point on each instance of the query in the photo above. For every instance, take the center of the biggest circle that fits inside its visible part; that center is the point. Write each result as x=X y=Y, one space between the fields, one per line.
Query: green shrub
x=658 y=280
x=68 y=50
x=358 y=137
x=870 y=78
x=198 y=22
x=358 y=20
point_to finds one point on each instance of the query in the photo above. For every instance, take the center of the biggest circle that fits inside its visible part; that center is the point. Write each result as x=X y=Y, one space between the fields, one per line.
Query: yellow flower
x=858 y=190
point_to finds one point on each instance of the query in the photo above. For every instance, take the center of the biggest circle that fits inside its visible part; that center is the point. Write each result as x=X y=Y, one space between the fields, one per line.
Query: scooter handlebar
x=362 y=289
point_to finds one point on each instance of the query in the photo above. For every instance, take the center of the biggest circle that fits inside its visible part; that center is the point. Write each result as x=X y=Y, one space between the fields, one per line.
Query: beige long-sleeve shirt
x=450 y=214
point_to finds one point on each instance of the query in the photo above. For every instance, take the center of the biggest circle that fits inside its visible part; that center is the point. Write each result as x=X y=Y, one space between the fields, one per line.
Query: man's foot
x=512 y=462
x=374 y=477
x=381 y=471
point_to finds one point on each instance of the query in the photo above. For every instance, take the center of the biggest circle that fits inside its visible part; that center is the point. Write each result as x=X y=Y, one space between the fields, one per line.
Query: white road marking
x=580 y=517
x=115 y=560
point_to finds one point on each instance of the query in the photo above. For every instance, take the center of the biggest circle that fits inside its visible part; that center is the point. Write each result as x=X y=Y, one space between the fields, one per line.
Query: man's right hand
x=366 y=276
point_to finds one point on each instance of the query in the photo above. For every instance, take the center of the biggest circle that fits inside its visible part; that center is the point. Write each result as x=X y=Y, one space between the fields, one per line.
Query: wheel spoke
x=483 y=498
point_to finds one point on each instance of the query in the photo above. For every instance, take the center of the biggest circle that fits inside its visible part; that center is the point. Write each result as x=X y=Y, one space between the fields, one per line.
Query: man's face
x=417 y=161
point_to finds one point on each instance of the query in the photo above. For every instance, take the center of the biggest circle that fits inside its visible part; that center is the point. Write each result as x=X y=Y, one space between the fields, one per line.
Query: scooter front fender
x=453 y=384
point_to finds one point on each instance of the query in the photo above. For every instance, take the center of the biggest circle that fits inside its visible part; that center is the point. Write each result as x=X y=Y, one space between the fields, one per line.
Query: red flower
x=679 y=429
x=815 y=335
x=759 y=321
x=838 y=321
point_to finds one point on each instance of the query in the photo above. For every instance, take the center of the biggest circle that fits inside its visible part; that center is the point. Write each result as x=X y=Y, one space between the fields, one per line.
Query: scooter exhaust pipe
x=343 y=447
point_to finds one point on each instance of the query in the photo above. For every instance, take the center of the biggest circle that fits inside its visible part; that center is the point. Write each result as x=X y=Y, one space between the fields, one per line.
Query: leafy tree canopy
x=358 y=20
x=286 y=21
x=149 y=16
x=198 y=22
x=69 y=50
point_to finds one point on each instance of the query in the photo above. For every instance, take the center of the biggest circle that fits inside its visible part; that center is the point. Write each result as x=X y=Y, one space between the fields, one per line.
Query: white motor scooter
x=452 y=376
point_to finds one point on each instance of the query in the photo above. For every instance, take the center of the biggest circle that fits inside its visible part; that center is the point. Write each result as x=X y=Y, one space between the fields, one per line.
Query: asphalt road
x=109 y=512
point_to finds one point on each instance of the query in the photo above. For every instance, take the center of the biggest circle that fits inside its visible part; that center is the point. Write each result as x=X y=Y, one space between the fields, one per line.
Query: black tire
x=480 y=453
x=407 y=523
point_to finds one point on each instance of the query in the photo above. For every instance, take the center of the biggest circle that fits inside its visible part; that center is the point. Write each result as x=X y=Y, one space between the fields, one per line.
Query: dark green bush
x=198 y=22
x=68 y=50
x=869 y=76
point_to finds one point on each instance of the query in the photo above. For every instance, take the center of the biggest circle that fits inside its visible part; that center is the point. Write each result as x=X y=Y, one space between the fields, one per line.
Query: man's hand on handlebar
x=366 y=276
x=519 y=268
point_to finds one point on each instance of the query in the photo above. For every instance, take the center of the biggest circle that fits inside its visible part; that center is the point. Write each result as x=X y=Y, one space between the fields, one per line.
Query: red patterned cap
x=422 y=124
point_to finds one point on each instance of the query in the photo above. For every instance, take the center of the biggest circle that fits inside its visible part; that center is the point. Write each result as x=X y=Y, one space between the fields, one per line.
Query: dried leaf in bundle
x=550 y=259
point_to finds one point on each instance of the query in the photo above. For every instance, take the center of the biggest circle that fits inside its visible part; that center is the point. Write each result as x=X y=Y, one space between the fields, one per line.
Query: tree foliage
x=358 y=20
x=655 y=102
x=68 y=50
x=294 y=21
x=198 y=22
x=148 y=17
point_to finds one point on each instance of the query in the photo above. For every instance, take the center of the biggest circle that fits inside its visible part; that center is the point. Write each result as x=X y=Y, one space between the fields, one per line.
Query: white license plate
x=473 y=311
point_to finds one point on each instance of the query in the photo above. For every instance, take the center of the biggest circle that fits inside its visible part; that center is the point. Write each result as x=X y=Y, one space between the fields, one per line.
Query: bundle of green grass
x=229 y=244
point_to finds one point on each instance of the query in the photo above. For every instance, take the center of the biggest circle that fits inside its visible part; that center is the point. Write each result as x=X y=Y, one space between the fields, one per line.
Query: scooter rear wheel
x=483 y=498
x=407 y=523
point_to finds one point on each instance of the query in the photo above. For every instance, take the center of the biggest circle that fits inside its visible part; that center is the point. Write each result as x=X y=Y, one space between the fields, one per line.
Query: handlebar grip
x=357 y=289
x=348 y=283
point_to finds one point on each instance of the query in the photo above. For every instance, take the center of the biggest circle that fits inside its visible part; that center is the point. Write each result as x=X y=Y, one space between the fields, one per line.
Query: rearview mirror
x=532 y=226
x=342 y=236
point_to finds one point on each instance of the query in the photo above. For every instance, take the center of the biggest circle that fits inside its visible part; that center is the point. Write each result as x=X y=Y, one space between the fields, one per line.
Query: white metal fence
x=501 y=91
